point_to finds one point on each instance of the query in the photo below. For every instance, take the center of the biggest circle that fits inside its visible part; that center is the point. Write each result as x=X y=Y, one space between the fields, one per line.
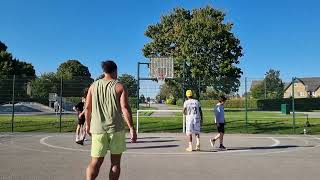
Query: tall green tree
x=76 y=78
x=258 y=90
x=10 y=66
x=170 y=90
x=130 y=83
x=203 y=41
x=3 y=47
x=45 y=84
x=73 y=69
x=272 y=86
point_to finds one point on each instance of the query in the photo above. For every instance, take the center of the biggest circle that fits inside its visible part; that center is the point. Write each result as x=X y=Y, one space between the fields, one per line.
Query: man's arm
x=184 y=108
x=126 y=110
x=88 y=109
x=185 y=111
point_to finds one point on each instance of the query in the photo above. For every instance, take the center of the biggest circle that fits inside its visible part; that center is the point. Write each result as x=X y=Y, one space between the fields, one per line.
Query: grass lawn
x=258 y=122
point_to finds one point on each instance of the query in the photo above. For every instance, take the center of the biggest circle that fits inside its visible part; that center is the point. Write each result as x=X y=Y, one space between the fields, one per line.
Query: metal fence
x=30 y=104
x=40 y=104
x=257 y=105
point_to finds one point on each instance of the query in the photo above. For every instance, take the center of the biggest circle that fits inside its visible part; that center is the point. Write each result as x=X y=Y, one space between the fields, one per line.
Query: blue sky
x=279 y=34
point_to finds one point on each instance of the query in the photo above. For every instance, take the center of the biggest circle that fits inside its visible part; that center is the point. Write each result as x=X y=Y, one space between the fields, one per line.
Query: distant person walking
x=220 y=122
x=80 y=131
x=106 y=106
x=192 y=111
x=56 y=107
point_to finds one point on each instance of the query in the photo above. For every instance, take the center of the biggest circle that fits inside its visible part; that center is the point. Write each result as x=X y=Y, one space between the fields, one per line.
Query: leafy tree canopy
x=204 y=41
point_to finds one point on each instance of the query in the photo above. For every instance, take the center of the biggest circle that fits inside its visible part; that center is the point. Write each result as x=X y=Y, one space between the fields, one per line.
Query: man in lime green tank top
x=106 y=110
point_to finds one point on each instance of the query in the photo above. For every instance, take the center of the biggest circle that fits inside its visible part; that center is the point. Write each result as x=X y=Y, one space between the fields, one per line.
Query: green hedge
x=231 y=103
x=179 y=102
x=133 y=102
x=301 y=104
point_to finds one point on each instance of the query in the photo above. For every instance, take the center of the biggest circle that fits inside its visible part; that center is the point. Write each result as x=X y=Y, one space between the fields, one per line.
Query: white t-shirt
x=193 y=109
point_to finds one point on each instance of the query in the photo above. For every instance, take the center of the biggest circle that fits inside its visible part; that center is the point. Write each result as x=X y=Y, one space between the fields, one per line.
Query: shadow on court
x=155 y=141
x=266 y=147
x=154 y=147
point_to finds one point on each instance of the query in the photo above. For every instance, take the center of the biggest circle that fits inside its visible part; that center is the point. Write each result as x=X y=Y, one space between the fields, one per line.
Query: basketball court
x=162 y=156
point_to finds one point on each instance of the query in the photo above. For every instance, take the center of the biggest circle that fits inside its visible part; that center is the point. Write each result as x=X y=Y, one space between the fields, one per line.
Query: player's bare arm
x=126 y=110
x=185 y=111
x=88 y=109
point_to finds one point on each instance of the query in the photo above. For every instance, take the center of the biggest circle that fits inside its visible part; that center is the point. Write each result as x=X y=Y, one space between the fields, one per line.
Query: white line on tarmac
x=43 y=142
x=276 y=142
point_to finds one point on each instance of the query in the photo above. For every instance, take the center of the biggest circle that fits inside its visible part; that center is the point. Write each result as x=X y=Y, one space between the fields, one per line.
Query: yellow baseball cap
x=189 y=93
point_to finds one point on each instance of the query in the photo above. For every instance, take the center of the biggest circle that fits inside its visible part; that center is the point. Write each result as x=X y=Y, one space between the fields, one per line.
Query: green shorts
x=113 y=142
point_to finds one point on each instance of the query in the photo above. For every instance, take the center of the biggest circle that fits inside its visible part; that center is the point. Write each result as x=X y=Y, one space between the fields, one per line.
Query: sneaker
x=198 y=147
x=212 y=141
x=80 y=142
x=222 y=148
x=189 y=149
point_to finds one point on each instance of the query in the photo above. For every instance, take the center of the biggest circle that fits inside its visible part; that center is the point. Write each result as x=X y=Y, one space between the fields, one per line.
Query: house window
x=302 y=94
x=314 y=94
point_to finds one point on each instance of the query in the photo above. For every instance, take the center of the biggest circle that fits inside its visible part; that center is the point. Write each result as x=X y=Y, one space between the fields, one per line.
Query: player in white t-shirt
x=192 y=111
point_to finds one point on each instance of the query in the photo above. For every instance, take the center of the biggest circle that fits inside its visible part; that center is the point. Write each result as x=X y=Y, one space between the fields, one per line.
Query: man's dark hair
x=222 y=98
x=109 y=67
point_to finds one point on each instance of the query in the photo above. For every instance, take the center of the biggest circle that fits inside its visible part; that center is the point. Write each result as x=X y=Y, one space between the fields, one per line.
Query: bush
x=171 y=101
x=302 y=104
x=232 y=103
x=179 y=102
x=133 y=102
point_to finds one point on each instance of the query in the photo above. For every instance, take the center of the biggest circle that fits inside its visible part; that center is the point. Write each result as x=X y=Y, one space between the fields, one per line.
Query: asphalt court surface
x=163 y=156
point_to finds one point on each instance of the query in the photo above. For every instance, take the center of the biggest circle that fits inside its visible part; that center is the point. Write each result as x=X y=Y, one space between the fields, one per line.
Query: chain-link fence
x=29 y=104
x=254 y=105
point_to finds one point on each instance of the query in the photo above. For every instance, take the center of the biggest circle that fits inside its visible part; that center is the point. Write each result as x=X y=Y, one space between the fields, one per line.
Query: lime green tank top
x=106 y=114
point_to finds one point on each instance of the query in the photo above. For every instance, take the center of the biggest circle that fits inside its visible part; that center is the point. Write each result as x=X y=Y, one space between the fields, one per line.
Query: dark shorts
x=220 y=128
x=81 y=121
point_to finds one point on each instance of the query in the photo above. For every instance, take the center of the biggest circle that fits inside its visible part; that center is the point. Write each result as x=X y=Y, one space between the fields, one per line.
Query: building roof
x=311 y=84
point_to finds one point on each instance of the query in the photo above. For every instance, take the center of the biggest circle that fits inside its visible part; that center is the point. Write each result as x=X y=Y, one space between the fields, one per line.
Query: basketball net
x=161 y=80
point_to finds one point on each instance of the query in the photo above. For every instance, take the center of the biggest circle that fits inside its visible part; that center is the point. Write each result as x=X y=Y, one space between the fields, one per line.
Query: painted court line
x=43 y=142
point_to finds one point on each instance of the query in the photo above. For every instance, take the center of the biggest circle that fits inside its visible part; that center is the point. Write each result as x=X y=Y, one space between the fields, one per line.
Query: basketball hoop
x=161 y=68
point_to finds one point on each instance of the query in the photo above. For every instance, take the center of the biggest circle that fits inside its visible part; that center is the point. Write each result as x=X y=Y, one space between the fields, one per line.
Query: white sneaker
x=212 y=142
x=189 y=149
x=198 y=147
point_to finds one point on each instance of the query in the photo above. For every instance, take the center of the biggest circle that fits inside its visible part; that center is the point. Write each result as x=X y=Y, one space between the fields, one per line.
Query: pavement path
x=162 y=107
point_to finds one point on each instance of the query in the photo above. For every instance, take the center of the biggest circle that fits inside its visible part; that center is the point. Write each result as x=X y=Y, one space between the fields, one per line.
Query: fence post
x=184 y=81
x=138 y=86
x=246 y=104
x=293 y=107
x=13 y=101
x=137 y=126
x=183 y=123
x=61 y=105
x=199 y=87
x=265 y=89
